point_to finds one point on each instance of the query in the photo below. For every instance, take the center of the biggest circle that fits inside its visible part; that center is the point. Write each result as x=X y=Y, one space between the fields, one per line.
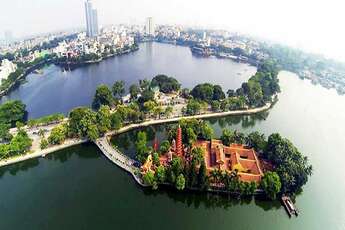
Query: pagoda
x=179 y=147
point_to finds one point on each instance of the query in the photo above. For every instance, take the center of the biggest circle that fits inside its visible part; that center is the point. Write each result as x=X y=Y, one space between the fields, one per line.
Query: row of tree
x=256 y=92
x=12 y=114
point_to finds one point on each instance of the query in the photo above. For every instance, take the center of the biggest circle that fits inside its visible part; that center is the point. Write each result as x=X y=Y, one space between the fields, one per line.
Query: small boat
x=289 y=206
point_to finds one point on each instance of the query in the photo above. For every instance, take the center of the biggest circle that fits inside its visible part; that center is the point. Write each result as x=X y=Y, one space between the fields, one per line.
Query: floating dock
x=289 y=206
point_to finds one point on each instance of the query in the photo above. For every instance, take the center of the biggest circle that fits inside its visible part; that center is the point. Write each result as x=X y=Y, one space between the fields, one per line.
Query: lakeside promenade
x=36 y=151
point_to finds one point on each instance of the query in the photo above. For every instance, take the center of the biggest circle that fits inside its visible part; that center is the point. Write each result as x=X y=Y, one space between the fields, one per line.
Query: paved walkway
x=37 y=152
x=119 y=158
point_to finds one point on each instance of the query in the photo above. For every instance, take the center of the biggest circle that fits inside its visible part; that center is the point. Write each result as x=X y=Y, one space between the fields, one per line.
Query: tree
x=191 y=172
x=144 y=84
x=236 y=103
x=118 y=89
x=149 y=179
x=102 y=96
x=116 y=121
x=11 y=112
x=231 y=93
x=218 y=93
x=168 y=111
x=203 y=92
x=227 y=137
x=198 y=154
x=165 y=146
x=157 y=111
x=155 y=159
x=44 y=143
x=141 y=146
x=191 y=136
x=160 y=174
x=92 y=132
x=41 y=132
x=103 y=119
x=57 y=135
x=149 y=106
x=292 y=167
x=185 y=93
x=176 y=165
x=193 y=107
x=257 y=141
x=271 y=184
x=166 y=84
x=4 y=132
x=206 y=131
x=255 y=94
x=180 y=182
x=215 y=106
x=146 y=95
x=19 y=144
x=134 y=91
x=208 y=92
x=83 y=123
x=202 y=176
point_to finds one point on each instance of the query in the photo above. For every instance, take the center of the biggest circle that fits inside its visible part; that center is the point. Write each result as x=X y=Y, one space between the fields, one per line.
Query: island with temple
x=238 y=164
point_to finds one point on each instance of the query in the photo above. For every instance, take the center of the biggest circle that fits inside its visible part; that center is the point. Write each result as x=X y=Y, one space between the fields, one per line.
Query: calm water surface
x=57 y=91
x=78 y=188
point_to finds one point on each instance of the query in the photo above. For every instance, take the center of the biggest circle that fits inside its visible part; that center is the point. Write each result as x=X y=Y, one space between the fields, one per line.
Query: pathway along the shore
x=71 y=142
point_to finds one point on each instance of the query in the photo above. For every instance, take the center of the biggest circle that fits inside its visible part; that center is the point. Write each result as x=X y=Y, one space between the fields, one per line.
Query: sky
x=312 y=25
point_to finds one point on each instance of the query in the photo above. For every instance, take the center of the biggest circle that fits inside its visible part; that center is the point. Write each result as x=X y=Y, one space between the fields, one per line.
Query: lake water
x=77 y=188
x=57 y=91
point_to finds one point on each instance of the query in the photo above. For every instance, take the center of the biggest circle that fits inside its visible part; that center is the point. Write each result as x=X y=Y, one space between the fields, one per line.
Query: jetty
x=289 y=206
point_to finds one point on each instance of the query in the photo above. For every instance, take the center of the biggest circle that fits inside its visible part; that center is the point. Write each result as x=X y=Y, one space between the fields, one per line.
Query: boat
x=289 y=206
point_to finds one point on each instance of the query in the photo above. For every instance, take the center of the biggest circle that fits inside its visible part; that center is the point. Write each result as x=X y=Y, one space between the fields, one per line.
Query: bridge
x=119 y=159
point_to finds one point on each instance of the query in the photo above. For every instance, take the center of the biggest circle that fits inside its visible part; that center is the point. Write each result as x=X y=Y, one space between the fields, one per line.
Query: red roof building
x=230 y=158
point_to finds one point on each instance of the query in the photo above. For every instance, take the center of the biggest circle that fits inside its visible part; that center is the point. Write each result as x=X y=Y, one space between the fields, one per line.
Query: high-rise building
x=150 y=27
x=91 y=19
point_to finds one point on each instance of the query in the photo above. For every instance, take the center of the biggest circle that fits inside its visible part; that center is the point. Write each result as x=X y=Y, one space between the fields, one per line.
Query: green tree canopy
x=160 y=174
x=271 y=184
x=58 y=135
x=134 y=91
x=118 y=89
x=102 y=96
x=166 y=84
x=104 y=119
x=180 y=182
x=11 y=112
x=292 y=167
x=141 y=147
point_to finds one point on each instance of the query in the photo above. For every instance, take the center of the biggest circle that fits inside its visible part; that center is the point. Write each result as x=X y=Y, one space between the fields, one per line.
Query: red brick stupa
x=179 y=147
x=155 y=145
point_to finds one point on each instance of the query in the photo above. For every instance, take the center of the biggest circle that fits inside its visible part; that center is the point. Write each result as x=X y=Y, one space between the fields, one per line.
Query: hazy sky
x=314 y=25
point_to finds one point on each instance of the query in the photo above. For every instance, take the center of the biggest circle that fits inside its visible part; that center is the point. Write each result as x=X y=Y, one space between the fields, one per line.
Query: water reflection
x=85 y=151
x=21 y=166
x=247 y=121
x=210 y=200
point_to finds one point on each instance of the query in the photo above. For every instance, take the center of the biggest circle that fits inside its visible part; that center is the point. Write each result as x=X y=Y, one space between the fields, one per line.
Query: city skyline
x=297 y=25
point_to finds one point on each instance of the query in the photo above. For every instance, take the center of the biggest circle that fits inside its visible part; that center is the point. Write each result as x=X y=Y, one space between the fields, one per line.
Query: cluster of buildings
x=217 y=156
x=6 y=68
x=109 y=41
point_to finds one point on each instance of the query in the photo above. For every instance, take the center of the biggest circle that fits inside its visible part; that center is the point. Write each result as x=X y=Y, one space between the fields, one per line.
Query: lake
x=57 y=91
x=77 y=188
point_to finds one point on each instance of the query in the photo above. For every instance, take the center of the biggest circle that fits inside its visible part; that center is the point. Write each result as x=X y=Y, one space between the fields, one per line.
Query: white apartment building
x=6 y=68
